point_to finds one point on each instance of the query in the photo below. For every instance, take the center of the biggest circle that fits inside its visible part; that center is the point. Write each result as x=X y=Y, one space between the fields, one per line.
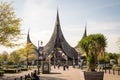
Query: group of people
x=33 y=76
x=65 y=66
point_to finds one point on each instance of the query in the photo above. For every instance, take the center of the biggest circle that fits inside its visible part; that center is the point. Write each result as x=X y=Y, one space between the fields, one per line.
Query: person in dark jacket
x=35 y=77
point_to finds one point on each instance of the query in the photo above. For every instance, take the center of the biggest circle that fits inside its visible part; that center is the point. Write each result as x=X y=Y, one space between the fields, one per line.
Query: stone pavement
x=60 y=74
x=70 y=74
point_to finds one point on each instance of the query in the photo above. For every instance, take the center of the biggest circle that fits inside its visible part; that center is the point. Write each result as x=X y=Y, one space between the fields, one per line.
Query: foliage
x=15 y=57
x=4 y=56
x=113 y=56
x=107 y=59
x=116 y=68
x=9 y=25
x=28 y=49
x=1 y=73
x=1 y=58
x=13 y=70
x=118 y=59
x=93 y=45
x=24 y=69
x=107 y=67
x=101 y=59
x=27 y=53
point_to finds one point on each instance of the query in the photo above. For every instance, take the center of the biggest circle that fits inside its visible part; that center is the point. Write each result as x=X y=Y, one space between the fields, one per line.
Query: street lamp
x=40 y=54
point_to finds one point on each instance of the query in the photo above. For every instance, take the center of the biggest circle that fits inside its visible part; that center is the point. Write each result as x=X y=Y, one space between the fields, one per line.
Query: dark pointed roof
x=58 y=41
x=85 y=34
x=29 y=41
x=28 y=37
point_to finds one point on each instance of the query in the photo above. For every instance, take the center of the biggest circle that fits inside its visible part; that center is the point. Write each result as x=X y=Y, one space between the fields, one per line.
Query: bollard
x=113 y=71
x=118 y=72
x=25 y=77
x=21 y=77
x=105 y=70
x=109 y=71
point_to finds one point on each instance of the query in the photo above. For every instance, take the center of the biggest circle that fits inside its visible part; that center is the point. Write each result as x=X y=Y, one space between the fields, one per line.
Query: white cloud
x=109 y=29
x=93 y=25
x=38 y=15
x=112 y=43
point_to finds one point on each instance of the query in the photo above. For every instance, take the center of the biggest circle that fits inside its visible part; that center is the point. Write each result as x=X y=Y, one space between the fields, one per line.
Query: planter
x=93 y=75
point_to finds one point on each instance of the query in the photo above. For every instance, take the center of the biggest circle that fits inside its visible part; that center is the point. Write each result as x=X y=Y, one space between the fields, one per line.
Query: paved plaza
x=60 y=74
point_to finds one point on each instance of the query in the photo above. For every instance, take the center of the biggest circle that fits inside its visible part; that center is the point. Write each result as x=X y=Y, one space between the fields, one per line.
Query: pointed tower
x=58 y=41
x=29 y=41
x=85 y=34
x=28 y=37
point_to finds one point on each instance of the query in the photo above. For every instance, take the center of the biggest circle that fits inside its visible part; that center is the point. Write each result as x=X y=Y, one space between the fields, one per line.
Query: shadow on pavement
x=55 y=73
x=50 y=78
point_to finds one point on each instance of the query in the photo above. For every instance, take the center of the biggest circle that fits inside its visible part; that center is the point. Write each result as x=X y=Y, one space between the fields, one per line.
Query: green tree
x=9 y=25
x=93 y=45
x=101 y=59
x=15 y=57
x=5 y=56
x=28 y=53
x=1 y=58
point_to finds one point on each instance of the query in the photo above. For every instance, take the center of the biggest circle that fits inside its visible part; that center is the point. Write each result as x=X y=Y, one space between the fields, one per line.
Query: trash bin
x=46 y=68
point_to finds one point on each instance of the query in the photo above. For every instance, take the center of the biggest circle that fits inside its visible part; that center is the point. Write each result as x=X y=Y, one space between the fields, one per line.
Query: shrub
x=116 y=68
x=1 y=73
x=11 y=70
x=107 y=67
x=24 y=69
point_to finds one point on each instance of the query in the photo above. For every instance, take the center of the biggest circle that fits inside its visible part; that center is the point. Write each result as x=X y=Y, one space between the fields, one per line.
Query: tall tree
x=27 y=53
x=5 y=56
x=93 y=45
x=1 y=58
x=9 y=25
x=15 y=57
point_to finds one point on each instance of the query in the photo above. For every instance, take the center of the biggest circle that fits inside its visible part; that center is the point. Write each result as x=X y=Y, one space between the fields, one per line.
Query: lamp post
x=40 y=52
x=54 y=60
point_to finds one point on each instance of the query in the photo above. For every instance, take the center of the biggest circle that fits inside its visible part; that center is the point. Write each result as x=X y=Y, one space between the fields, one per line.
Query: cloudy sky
x=100 y=16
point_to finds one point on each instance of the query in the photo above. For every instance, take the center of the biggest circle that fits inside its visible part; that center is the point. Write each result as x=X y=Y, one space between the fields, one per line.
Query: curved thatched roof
x=84 y=35
x=58 y=41
x=29 y=41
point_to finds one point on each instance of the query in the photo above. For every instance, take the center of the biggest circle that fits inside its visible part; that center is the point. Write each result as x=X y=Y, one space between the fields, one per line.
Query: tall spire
x=85 y=33
x=57 y=19
x=58 y=41
x=29 y=41
x=28 y=37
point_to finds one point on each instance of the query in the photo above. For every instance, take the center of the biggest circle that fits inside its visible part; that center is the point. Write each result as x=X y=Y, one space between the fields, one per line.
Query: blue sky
x=100 y=16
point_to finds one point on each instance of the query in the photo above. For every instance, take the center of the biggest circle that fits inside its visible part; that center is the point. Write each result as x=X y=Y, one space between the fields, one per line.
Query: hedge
x=12 y=70
x=24 y=69
x=1 y=73
x=116 y=68
x=107 y=67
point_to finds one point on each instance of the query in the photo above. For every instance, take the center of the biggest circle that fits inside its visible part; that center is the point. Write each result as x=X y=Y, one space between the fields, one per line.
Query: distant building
x=58 y=48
